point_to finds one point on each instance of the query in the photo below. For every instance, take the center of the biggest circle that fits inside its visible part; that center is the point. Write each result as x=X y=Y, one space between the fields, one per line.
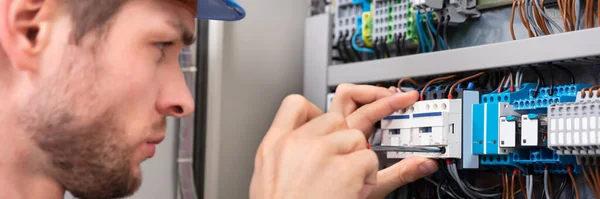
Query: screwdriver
x=380 y=148
x=409 y=149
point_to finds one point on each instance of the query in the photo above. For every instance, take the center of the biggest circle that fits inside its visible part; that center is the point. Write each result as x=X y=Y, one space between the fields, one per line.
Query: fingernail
x=428 y=167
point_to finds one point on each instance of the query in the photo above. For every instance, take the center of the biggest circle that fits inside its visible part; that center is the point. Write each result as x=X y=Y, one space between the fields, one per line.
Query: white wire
x=546 y=188
x=577 y=9
x=529 y=186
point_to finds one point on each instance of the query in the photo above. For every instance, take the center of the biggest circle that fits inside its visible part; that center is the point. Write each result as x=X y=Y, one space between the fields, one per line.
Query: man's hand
x=308 y=154
x=363 y=106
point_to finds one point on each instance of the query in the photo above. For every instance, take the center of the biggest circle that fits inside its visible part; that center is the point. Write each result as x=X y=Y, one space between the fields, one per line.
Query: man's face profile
x=89 y=103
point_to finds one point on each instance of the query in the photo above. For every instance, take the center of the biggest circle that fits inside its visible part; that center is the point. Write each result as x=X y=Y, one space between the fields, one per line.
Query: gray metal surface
x=317 y=57
x=563 y=46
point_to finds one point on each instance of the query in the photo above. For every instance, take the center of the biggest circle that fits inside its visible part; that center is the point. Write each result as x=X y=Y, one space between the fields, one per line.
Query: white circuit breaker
x=432 y=123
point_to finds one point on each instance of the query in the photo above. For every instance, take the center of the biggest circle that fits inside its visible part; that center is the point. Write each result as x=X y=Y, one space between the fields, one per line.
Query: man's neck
x=21 y=174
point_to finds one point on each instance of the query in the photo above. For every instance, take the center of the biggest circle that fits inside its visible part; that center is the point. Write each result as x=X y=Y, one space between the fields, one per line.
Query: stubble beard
x=84 y=147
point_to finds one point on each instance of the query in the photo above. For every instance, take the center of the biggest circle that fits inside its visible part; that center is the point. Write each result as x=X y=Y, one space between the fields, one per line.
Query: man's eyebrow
x=187 y=36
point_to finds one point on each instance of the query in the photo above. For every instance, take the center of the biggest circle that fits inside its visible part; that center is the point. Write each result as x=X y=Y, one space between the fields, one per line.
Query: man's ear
x=28 y=32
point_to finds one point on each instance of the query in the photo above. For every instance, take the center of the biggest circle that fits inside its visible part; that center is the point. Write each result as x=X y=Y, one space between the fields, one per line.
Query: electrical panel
x=536 y=109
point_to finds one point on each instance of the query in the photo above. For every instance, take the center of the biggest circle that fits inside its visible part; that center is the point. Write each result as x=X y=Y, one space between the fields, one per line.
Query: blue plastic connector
x=540 y=103
x=532 y=116
x=471 y=86
x=510 y=118
x=507 y=96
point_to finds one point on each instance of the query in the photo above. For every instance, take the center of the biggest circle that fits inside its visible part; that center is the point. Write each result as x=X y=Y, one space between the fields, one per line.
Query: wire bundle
x=533 y=16
x=469 y=190
x=431 y=37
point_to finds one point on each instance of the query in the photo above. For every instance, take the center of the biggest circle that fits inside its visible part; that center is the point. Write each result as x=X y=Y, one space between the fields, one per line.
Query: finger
x=323 y=125
x=402 y=173
x=366 y=116
x=367 y=164
x=393 y=89
x=349 y=97
x=294 y=111
x=346 y=141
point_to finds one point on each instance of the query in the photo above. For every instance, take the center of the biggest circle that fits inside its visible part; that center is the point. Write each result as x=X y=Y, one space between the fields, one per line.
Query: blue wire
x=365 y=50
x=430 y=23
x=421 y=40
x=423 y=34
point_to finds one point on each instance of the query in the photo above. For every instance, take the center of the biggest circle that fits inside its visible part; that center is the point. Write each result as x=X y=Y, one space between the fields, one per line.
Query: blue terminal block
x=540 y=103
x=507 y=96
x=554 y=167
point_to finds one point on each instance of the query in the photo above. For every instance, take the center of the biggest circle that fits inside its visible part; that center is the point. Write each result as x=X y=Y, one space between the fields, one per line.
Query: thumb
x=402 y=173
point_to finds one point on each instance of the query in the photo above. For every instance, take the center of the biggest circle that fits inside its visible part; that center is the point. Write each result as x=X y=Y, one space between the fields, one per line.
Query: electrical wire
x=463 y=80
x=524 y=20
x=597 y=177
x=512 y=184
x=422 y=34
x=376 y=48
x=546 y=187
x=538 y=18
x=504 y=185
x=521 y=185
x=593 y=177
x=591 y=91
x=360 y=49
x=398 y=44
x=561 y=189
x=443 y=188
x=386 y=52
x=572 y=80
x=469 y=192
x=352 y=44
x=432 y=82
x=444 y=38
x=529 y=182
x=541 y=81
x=412 y=81
x=342 y=48
x=529 y=13
x=561 y=9
x=419 y=33
x=569 y=170
x=587 y=178
x=543 y=13
x=501 y=83
x=583 y=94
x=512 y=20
x=435 y=33
x=431 y=38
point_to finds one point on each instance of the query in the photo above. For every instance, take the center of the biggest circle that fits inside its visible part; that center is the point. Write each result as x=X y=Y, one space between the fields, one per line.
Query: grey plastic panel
x=317 y=57
x=469 y=161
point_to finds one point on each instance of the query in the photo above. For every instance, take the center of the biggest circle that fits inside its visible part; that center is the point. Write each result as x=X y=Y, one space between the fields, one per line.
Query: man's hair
x=91 y=15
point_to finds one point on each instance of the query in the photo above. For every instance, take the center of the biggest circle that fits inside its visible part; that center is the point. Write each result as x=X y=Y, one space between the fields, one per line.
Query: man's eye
x=162 y=45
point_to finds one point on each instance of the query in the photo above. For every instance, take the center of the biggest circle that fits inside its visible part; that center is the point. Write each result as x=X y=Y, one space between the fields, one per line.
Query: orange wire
x=512 y=20
x=434 y=81
x=512 y=185
x=503 y=185
x=591 y=90
x=540 y=20
x=524 y=19
x=461 y=81
x=521 y=185
x=409 y=80
x=573 y=182
x=587 y=178
x=585 y=13
x=593 y=177
x=597 y=177
x=583 y=92
x=562 y=14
